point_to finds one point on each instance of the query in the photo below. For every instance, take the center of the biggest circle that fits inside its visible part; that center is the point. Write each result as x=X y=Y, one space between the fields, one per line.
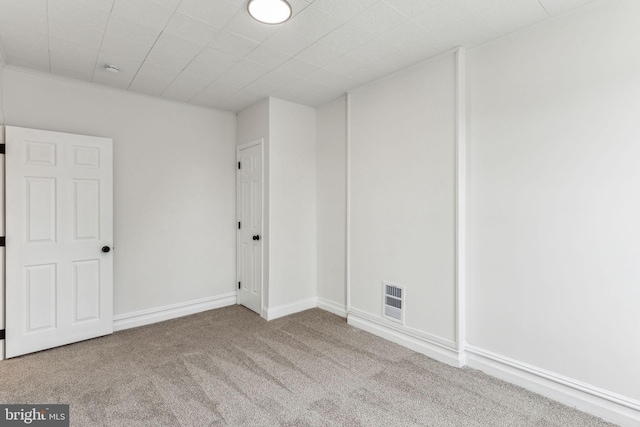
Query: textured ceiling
x=211 y=53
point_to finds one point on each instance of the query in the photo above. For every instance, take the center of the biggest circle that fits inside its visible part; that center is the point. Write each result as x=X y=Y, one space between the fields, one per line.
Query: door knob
x=106 y=249
x=256 y=237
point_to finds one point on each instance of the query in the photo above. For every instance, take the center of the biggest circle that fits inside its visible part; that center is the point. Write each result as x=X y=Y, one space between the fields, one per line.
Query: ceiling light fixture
x=111 y=69
x=269 y=11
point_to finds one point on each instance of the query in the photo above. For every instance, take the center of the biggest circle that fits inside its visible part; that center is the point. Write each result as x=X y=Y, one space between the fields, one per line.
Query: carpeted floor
x=230 y=367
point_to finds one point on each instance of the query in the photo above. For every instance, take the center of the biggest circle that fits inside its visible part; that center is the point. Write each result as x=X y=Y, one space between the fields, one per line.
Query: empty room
x=320 y=213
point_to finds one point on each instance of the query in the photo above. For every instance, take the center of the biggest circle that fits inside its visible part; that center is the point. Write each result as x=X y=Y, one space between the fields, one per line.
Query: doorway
x=250 y=239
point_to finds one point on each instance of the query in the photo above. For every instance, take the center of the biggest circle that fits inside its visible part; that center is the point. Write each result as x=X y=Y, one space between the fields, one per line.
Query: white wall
x=331 y=155
x=292 y=203
x=554 y=229
x=174 y=184
x=402 y=171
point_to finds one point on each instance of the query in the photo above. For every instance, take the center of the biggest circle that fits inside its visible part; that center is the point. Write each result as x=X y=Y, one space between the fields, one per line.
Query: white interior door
x=250 y=239
x=59 y=231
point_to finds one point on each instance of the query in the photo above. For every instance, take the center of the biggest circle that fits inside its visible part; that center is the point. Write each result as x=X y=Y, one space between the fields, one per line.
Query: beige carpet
x=230 y=367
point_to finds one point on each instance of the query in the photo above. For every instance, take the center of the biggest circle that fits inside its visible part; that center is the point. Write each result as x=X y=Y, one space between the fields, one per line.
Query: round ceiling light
x=269 y=11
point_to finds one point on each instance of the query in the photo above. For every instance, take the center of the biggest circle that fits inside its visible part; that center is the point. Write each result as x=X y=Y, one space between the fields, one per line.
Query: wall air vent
x=393 y=302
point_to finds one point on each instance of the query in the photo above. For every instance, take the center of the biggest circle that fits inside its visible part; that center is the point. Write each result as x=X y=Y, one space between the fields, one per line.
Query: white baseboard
x=585 y=397
x=443 y=353
x=2 y=349
x=332 y=307
x=287 y=309
x=159 y=314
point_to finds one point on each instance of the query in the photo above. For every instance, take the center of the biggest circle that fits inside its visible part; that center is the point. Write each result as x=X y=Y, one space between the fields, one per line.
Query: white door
x=250 y=239
x=59 y=231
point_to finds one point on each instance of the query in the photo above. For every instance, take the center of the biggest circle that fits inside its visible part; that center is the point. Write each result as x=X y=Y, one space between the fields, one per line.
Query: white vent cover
x=393 y=302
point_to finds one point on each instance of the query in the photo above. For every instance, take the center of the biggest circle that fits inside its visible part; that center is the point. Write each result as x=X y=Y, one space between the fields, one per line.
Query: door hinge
x=2 y=242
x=239 y=285
x=2 y=148
x=2 y=336
x=239 y=225
x=239 y=166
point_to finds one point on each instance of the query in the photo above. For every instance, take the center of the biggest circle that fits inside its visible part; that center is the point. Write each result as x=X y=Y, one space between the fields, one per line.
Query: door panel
x=86 y=278
x=40 y=287
x=250 y=218
x=59 y=214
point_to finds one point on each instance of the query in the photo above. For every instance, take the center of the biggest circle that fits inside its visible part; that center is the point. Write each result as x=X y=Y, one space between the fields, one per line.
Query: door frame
x=265 y=234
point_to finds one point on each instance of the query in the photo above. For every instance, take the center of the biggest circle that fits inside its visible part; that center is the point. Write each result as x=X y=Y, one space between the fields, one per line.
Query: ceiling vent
x=393 y=302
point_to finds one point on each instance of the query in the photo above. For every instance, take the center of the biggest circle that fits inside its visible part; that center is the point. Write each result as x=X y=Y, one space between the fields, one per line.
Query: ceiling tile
x=31 y=64
x=409 y=8
x=296 y=67
x=511 y=15
x=239 y=100
x=288 y=41
x=278 y=78
x=171 y=4
x=143 y=12
x=74 y=74
x=77 y=13
x=213 y=94
x=345 y=38
x=373 y=51
x=27 y=13
x=262 y=88
x=246 y=71
x=479 y=6
x=105 y=5
x=129 y=39
x=172 y=52
x=345 y=65
x=331 y=80
x=314 y=23
x=84 y=36
x=378 y=19
x=318 y=54
x=297 y=6
x=233 y=44
x=216 y=58
x=239 y=3
x=71 y=56
x=152 y=79
x=556 y=7
x=411 y=36
x=469 y=34
x=203 y=71
x=443 y=15
x=245 y=26
x=32 y=46
x=268 y=57
x=343 y=9
x=191 y=29
x=185 y=87
x=216 y=13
